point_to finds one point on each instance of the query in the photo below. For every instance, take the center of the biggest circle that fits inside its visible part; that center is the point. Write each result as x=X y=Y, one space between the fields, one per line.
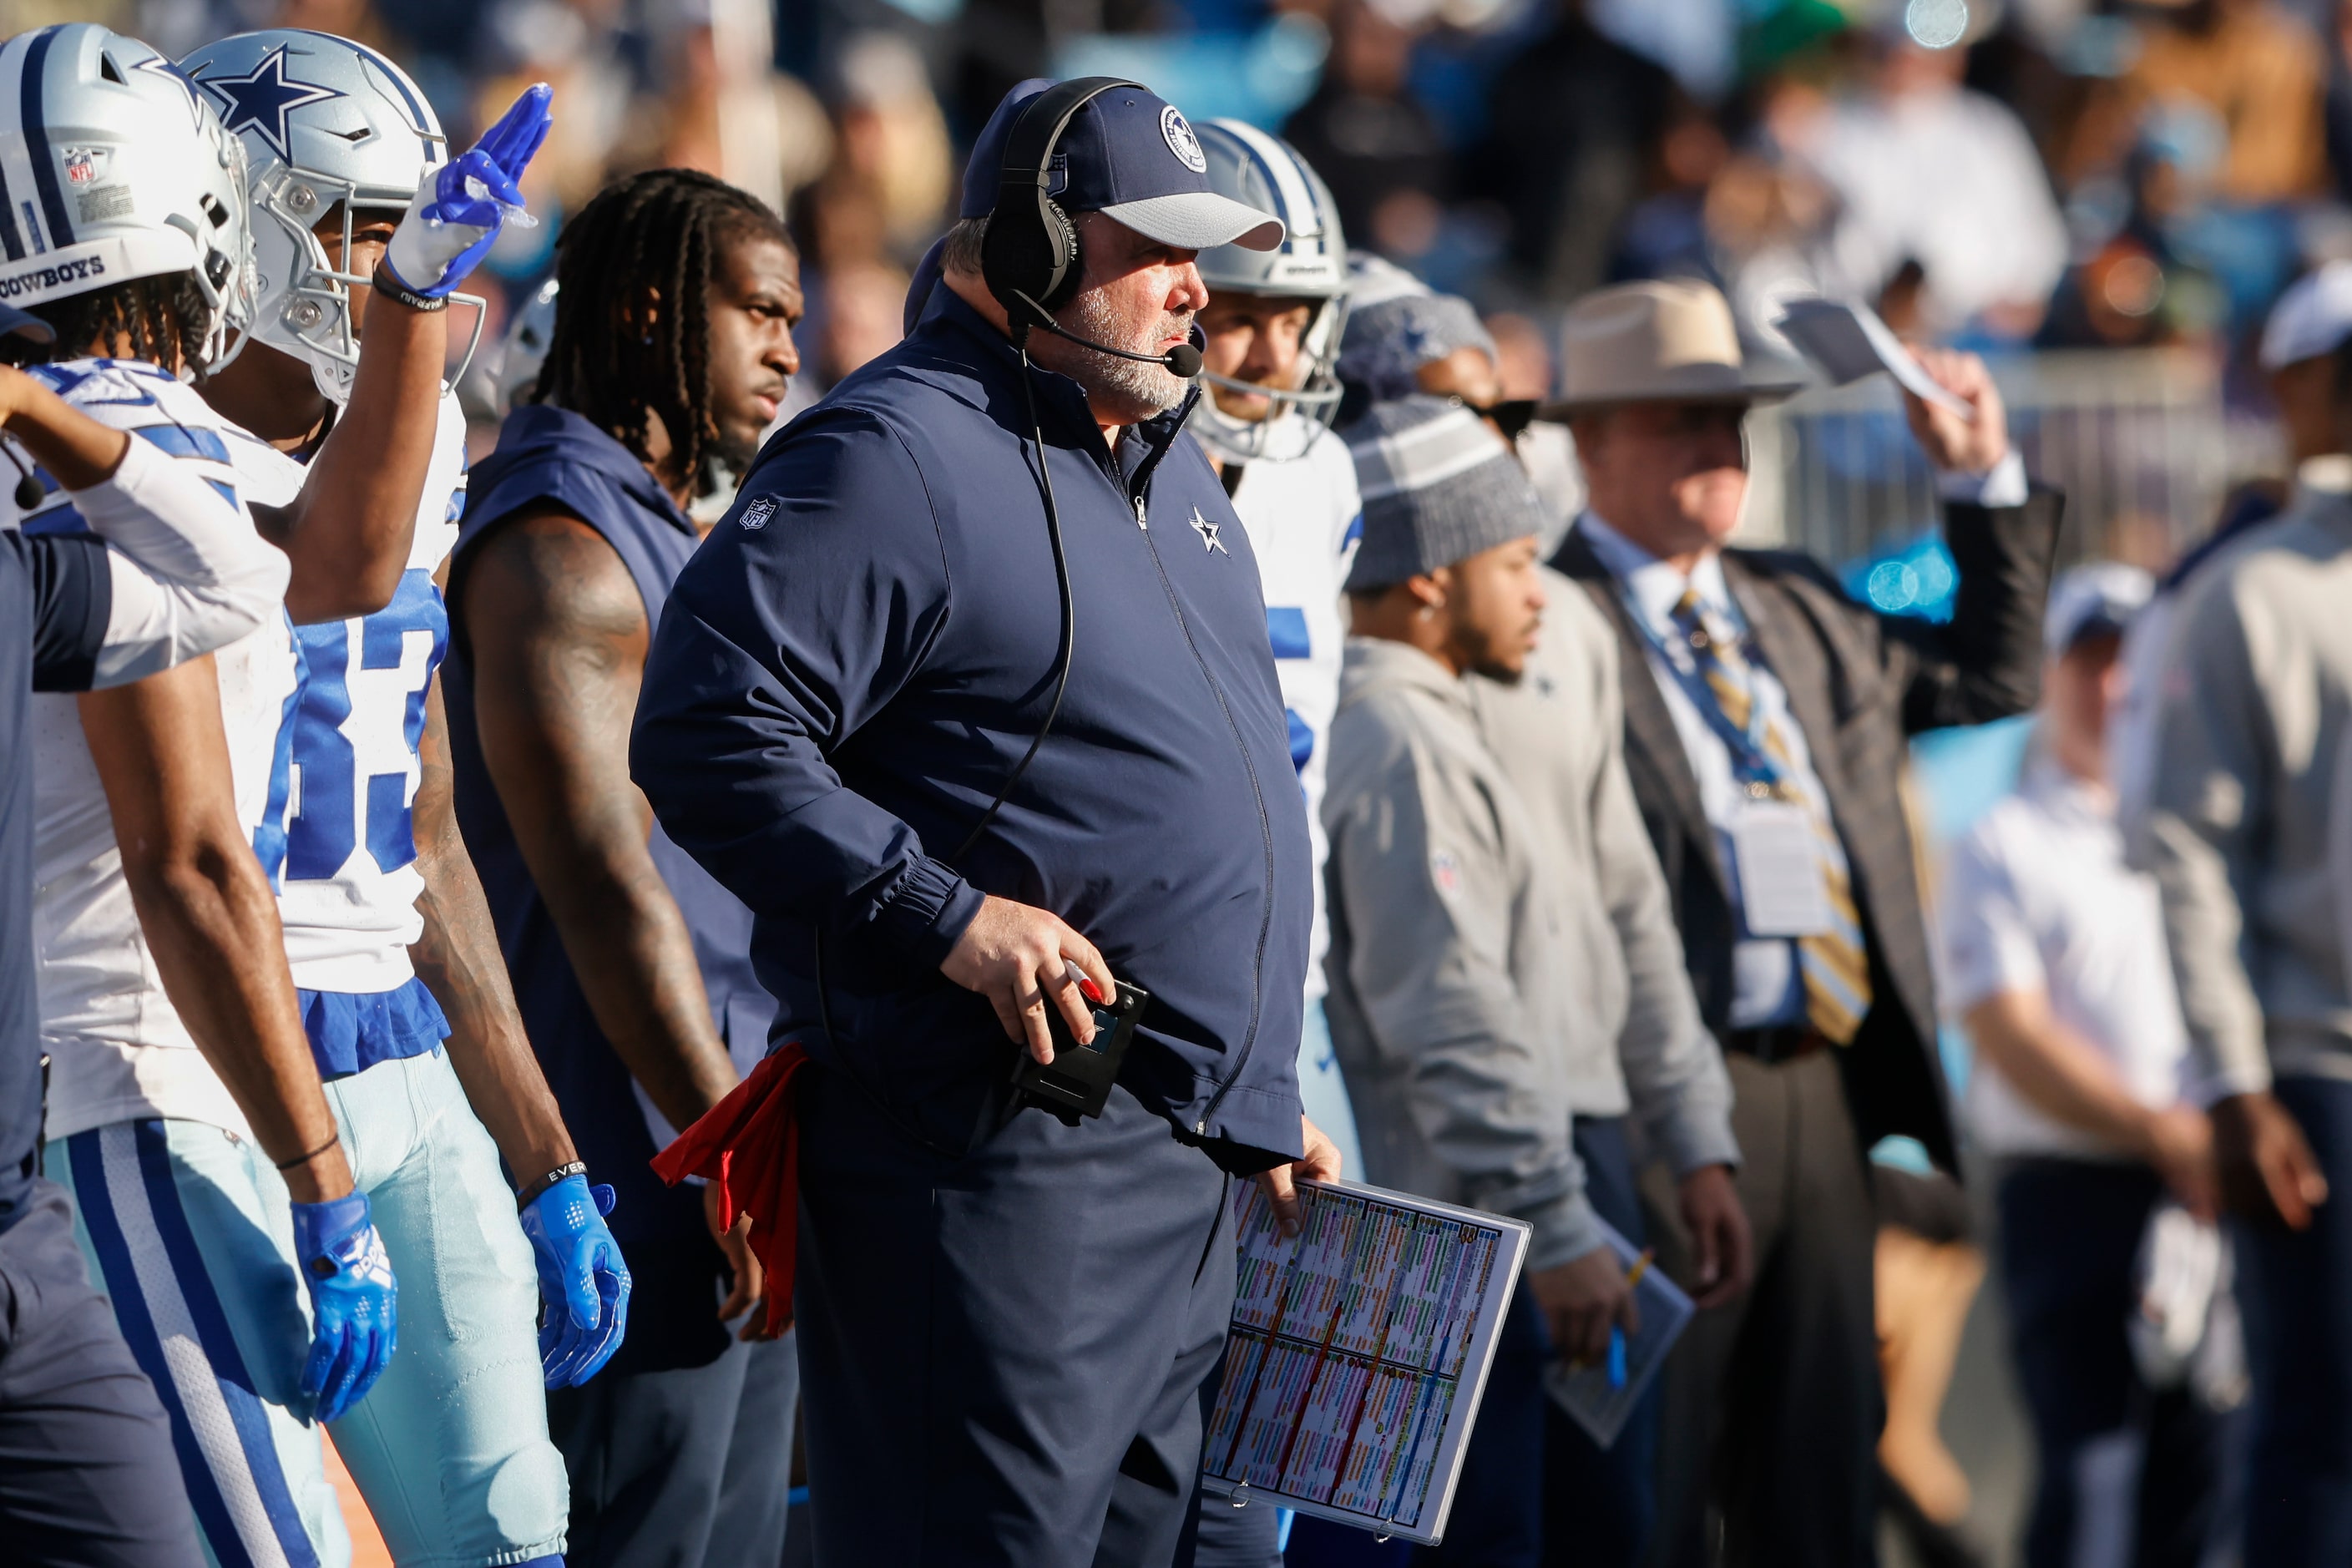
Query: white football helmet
x=528 y=336
x=328 y=125
x=1265 y=171
x=112 y=166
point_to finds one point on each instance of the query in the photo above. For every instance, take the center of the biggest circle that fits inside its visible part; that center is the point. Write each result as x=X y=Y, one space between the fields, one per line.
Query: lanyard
x=1751 y=761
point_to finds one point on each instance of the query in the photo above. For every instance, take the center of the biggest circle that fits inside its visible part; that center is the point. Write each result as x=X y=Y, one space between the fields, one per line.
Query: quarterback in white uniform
x=1273 y=326
x=216 y=1203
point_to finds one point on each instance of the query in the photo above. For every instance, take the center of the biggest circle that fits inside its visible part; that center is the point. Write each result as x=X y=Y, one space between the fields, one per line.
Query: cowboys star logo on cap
x=263 y=99
x=1181 y=142
x=756 y=515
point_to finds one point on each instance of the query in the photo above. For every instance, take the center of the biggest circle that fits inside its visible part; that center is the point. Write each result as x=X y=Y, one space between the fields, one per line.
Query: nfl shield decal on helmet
x=756 y=515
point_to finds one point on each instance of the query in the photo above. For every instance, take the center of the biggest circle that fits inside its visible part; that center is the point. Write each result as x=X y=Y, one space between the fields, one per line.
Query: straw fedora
x=1670 y=341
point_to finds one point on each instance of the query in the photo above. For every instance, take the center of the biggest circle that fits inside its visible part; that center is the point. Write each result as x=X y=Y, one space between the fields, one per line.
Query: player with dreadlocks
x=217 y=1206
x=671 y=350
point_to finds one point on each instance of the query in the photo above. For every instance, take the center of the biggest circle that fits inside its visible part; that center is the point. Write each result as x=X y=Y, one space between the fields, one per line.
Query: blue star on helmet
x=263 y=100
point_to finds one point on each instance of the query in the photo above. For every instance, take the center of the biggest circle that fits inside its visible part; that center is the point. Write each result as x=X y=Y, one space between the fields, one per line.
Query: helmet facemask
x=306 y=299
x=1315 y=399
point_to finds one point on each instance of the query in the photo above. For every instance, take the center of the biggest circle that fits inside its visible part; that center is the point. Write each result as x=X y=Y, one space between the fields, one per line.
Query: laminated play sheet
x=1357 y=1353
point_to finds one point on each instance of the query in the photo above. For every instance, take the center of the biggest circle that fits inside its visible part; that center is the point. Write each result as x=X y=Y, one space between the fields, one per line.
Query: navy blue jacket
x=860 y=653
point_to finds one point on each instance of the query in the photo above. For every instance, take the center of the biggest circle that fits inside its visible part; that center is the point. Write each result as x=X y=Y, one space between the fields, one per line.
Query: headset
x=1029 y=257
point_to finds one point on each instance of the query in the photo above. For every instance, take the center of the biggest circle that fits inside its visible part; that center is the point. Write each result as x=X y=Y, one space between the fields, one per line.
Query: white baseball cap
x=2313 y=318
x=2100 y=598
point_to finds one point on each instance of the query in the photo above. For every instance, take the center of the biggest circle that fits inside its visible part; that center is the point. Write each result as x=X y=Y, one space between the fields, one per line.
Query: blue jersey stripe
x=1285 y=628
x=37 y=142
x=180 y=441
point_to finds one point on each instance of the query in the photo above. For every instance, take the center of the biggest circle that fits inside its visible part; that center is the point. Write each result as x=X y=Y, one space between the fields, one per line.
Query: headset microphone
x=1183 y=360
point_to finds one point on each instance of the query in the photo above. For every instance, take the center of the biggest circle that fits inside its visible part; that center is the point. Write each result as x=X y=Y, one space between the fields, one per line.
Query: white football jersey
x=349 y=899
x=117 y=1046
x=1300 y=507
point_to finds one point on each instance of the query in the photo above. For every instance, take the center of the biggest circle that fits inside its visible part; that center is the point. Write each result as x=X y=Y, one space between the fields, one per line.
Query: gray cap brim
x=1199 y=220
x=19 y=324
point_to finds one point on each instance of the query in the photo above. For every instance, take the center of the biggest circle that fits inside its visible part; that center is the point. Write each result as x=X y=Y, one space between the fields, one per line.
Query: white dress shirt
x=1767 y=988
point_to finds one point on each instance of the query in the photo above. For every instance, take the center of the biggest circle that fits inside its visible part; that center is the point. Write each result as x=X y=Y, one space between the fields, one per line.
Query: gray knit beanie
x=1439 y=486
x=1396 y=325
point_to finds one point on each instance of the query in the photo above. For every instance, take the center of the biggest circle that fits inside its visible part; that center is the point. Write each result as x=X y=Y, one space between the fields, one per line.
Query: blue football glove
x=582 y=1278
x=461 y=206
x=354 y=1321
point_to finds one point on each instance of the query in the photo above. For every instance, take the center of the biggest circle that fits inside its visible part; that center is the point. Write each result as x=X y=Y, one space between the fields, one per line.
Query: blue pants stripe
x=244 y=1457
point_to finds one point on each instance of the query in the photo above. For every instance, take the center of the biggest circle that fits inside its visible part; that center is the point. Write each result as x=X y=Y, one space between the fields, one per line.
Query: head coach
x=972 y=685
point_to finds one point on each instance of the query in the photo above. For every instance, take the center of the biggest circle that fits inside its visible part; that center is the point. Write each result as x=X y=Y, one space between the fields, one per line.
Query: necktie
x=1836 y=970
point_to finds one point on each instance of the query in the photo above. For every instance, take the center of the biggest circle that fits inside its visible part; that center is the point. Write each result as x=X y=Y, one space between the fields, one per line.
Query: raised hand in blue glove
x=354 y=1321
x=582 y=1278
x=461 y=206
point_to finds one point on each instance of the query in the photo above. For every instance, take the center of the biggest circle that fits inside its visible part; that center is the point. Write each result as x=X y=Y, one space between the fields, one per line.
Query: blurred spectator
x=1524 y=372
x=2148 y=279
x=1931 y=172
x=1577 y=121
x=1404 y=337
x=861 y=306
x=2251 y=63
x=2253 y=711
x=1375 y=144
x=2055 y=956
x=885 y=195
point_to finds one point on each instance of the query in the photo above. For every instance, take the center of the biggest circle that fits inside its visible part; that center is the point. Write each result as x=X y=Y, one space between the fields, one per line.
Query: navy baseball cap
x=15 y=323
x=1129 y=155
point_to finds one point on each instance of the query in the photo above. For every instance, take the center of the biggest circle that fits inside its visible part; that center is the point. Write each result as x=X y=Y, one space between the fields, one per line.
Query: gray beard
x=1149 y=386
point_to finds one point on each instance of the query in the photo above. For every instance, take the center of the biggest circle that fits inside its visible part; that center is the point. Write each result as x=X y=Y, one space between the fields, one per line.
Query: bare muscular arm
x=559 y=638
x=458 y=959
x=210 y=917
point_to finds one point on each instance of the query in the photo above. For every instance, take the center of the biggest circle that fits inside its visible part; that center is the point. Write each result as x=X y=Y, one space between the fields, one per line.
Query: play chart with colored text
x=1357 y=1353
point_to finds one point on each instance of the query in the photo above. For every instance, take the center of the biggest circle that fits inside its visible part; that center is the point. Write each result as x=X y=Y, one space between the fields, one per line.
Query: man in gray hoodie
x=2241 y=826
x=1459 y=975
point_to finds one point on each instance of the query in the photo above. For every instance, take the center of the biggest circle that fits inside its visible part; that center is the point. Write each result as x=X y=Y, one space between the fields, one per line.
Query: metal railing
x=2137 y=438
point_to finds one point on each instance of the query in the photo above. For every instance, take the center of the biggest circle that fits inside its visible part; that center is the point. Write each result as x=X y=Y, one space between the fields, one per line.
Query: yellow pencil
x=1641 y=1266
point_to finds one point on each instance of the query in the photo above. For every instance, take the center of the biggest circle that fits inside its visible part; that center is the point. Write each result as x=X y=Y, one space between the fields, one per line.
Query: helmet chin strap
x=1275 y=437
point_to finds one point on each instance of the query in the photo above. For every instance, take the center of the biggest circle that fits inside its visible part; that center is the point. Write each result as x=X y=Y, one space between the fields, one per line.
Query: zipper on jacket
x=1265 y=825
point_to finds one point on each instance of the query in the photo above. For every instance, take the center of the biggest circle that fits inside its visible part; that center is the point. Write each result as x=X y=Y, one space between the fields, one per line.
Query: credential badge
x=1181 y=142
x=756 y=515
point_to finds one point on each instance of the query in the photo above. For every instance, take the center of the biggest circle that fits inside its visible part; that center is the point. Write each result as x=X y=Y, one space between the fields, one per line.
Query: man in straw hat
x=1765 y=718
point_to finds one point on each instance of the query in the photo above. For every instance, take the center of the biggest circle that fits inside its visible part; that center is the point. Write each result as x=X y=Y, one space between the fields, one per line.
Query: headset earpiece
x=1029 y=257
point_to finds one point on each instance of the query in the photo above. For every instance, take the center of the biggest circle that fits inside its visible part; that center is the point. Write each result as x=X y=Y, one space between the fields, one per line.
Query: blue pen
x=1617 y=1336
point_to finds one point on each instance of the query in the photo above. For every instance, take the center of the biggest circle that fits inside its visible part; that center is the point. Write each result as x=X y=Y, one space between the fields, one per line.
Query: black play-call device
x=1076 y=1082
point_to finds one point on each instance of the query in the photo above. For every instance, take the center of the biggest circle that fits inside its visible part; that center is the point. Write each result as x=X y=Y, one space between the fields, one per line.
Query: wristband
x=287 y=1164
x=561 y=1173
x=388 y=284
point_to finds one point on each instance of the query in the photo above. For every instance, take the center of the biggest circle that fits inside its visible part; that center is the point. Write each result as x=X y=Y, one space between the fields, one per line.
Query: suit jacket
x=1861 y=685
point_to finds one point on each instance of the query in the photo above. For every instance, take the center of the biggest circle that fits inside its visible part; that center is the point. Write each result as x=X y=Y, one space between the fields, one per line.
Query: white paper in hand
x=1848 y=341
x=1593 y=1400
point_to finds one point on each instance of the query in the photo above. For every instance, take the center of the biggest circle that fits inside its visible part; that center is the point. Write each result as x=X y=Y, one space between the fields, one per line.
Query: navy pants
x=2119 y=1461
x=87 y=1473
x=1003 y=1353
x=678 y=1463
x=2296 y=1291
